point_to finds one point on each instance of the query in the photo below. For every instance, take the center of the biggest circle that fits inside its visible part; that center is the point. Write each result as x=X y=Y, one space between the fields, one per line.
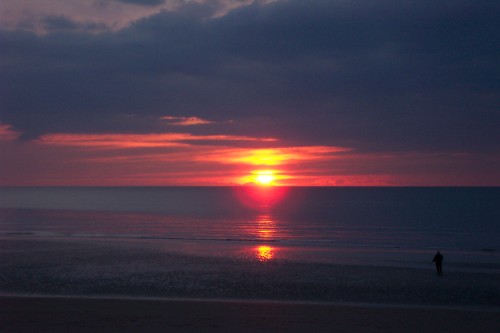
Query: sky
x=225 y=92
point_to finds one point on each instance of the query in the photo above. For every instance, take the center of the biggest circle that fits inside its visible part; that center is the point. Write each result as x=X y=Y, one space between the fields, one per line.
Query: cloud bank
x=375 y=77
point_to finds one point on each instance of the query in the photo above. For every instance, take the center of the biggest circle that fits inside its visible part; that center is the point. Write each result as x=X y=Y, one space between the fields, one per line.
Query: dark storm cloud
x=413 y=75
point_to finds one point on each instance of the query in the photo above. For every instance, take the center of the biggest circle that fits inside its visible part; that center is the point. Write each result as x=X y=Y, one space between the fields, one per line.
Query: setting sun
x=264 y=178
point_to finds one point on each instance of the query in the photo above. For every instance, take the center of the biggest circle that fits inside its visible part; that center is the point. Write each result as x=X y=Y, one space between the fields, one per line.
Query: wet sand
x=69 y=314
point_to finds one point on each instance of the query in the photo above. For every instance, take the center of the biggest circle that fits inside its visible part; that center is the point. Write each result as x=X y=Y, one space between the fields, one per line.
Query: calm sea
x=379 y=226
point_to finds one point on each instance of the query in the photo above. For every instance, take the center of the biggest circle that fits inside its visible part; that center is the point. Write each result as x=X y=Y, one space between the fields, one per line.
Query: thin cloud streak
x=185 y=121
x=137 y=140
x=272 y=156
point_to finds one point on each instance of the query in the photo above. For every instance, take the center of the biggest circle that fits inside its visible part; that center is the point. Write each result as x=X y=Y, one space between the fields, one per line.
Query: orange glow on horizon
x=263 y=178
x=177 y=159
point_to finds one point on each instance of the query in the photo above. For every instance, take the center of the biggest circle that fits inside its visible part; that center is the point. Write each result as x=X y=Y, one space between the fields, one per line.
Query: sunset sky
x=224 y=92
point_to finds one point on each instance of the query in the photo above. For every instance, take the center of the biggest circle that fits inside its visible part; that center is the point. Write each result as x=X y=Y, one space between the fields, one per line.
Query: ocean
x=300 y=243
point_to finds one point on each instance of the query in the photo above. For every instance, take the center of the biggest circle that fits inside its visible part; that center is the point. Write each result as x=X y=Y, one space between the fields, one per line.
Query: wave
x=304 y=243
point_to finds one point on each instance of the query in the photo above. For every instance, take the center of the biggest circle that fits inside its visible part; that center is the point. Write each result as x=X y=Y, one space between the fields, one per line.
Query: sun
x=264 y=178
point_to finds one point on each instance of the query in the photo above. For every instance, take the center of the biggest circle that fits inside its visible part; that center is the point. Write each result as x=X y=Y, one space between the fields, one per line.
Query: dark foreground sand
x=53 y=314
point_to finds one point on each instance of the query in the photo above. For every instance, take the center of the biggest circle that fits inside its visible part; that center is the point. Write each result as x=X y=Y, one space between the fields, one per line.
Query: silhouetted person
x=438 y=259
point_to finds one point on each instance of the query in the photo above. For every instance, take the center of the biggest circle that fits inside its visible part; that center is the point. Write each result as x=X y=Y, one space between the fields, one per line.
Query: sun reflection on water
x=266 y=229
x=260 y=198
x=264 y=253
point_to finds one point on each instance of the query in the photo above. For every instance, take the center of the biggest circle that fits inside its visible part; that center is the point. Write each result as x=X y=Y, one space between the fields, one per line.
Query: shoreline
x=81 y=314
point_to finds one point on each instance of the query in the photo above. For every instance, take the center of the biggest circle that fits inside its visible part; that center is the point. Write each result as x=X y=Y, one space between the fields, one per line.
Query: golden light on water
x=265 y=231
x=265 y=227
x=265 y=253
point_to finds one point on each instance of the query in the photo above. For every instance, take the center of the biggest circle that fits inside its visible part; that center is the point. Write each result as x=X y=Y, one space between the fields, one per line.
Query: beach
x=97 y=286
x=115 y=267
x=65 y=314
x=342 y=262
